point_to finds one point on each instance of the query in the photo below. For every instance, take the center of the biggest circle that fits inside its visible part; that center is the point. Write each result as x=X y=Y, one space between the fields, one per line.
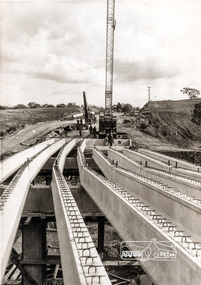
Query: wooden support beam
x=9 y=273
x=32 y=262
x=53 y=259
x=14 y=259
x=13 y=282
x=56 y=271
x=16 y=274
x=27 y=221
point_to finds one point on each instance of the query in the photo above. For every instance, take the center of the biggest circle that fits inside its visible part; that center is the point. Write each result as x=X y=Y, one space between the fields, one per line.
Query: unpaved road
x=12 y=143
x=154 y=143
x=29 y=135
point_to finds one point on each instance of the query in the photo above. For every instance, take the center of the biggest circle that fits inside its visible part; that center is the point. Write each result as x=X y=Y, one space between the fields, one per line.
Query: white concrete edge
x=12 y=211
x=11 y=164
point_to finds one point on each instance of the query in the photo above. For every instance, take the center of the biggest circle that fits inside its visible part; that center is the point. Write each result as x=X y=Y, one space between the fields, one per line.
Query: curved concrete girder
x=11 y=211
x=11 y=164
x=80 y=261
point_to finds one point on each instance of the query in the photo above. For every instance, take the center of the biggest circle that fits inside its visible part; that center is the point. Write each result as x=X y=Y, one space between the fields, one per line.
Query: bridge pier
x=34 y=250
x=101 y=229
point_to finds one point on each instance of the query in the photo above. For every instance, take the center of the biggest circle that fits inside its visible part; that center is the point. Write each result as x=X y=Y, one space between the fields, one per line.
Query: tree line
x=32 y=105
x=119 y=107
x=125 y=108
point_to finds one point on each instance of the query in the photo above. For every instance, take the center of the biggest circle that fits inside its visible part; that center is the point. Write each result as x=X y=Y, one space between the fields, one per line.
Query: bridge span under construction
x=145 y=196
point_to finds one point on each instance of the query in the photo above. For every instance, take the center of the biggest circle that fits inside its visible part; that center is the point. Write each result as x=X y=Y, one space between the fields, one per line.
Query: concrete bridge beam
x=190 y=187
x=167 y=159
x=11 y=164
x=13 y=199
x=78 y=252
x=80 y=261
x=133 y=224
x=176 y=207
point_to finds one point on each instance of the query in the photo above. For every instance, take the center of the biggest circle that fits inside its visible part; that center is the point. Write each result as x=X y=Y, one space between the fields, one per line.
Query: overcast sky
x=52 y=51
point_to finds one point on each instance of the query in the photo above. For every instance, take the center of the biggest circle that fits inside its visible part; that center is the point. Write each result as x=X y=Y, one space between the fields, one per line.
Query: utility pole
x=149 y=94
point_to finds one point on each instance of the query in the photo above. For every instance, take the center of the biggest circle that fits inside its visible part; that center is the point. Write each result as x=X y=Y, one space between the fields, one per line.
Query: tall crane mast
x=107 y=122
x=109 y=56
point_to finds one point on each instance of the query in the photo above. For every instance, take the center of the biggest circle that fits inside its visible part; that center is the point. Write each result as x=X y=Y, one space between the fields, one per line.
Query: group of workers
x=109 y=139
x=92 y=131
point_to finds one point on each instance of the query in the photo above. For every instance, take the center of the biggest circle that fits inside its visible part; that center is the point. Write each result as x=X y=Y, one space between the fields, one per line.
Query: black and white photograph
x=100 y=142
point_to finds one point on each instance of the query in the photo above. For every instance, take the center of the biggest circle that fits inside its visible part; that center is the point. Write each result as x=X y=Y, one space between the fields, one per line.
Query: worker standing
x=106 y=139
x=78 y=123
x=94 y=131
x=80 y=130
x=111 y=140
x=90 y=129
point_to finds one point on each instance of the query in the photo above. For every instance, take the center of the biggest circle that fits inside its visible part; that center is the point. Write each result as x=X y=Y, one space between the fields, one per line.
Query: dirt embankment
x=17 y=119
x=172 y=121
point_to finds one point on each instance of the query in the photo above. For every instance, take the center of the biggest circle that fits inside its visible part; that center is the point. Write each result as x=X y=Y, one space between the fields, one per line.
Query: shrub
x=143 y=126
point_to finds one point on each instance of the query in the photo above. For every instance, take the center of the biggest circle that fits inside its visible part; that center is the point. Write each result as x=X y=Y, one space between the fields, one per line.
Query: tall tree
x=33 y=105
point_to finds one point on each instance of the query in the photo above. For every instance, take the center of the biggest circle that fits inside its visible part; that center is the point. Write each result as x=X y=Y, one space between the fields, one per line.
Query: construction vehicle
x=107 y=121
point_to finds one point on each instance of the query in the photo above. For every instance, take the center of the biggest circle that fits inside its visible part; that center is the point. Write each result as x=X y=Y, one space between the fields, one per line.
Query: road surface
x=29 y=135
